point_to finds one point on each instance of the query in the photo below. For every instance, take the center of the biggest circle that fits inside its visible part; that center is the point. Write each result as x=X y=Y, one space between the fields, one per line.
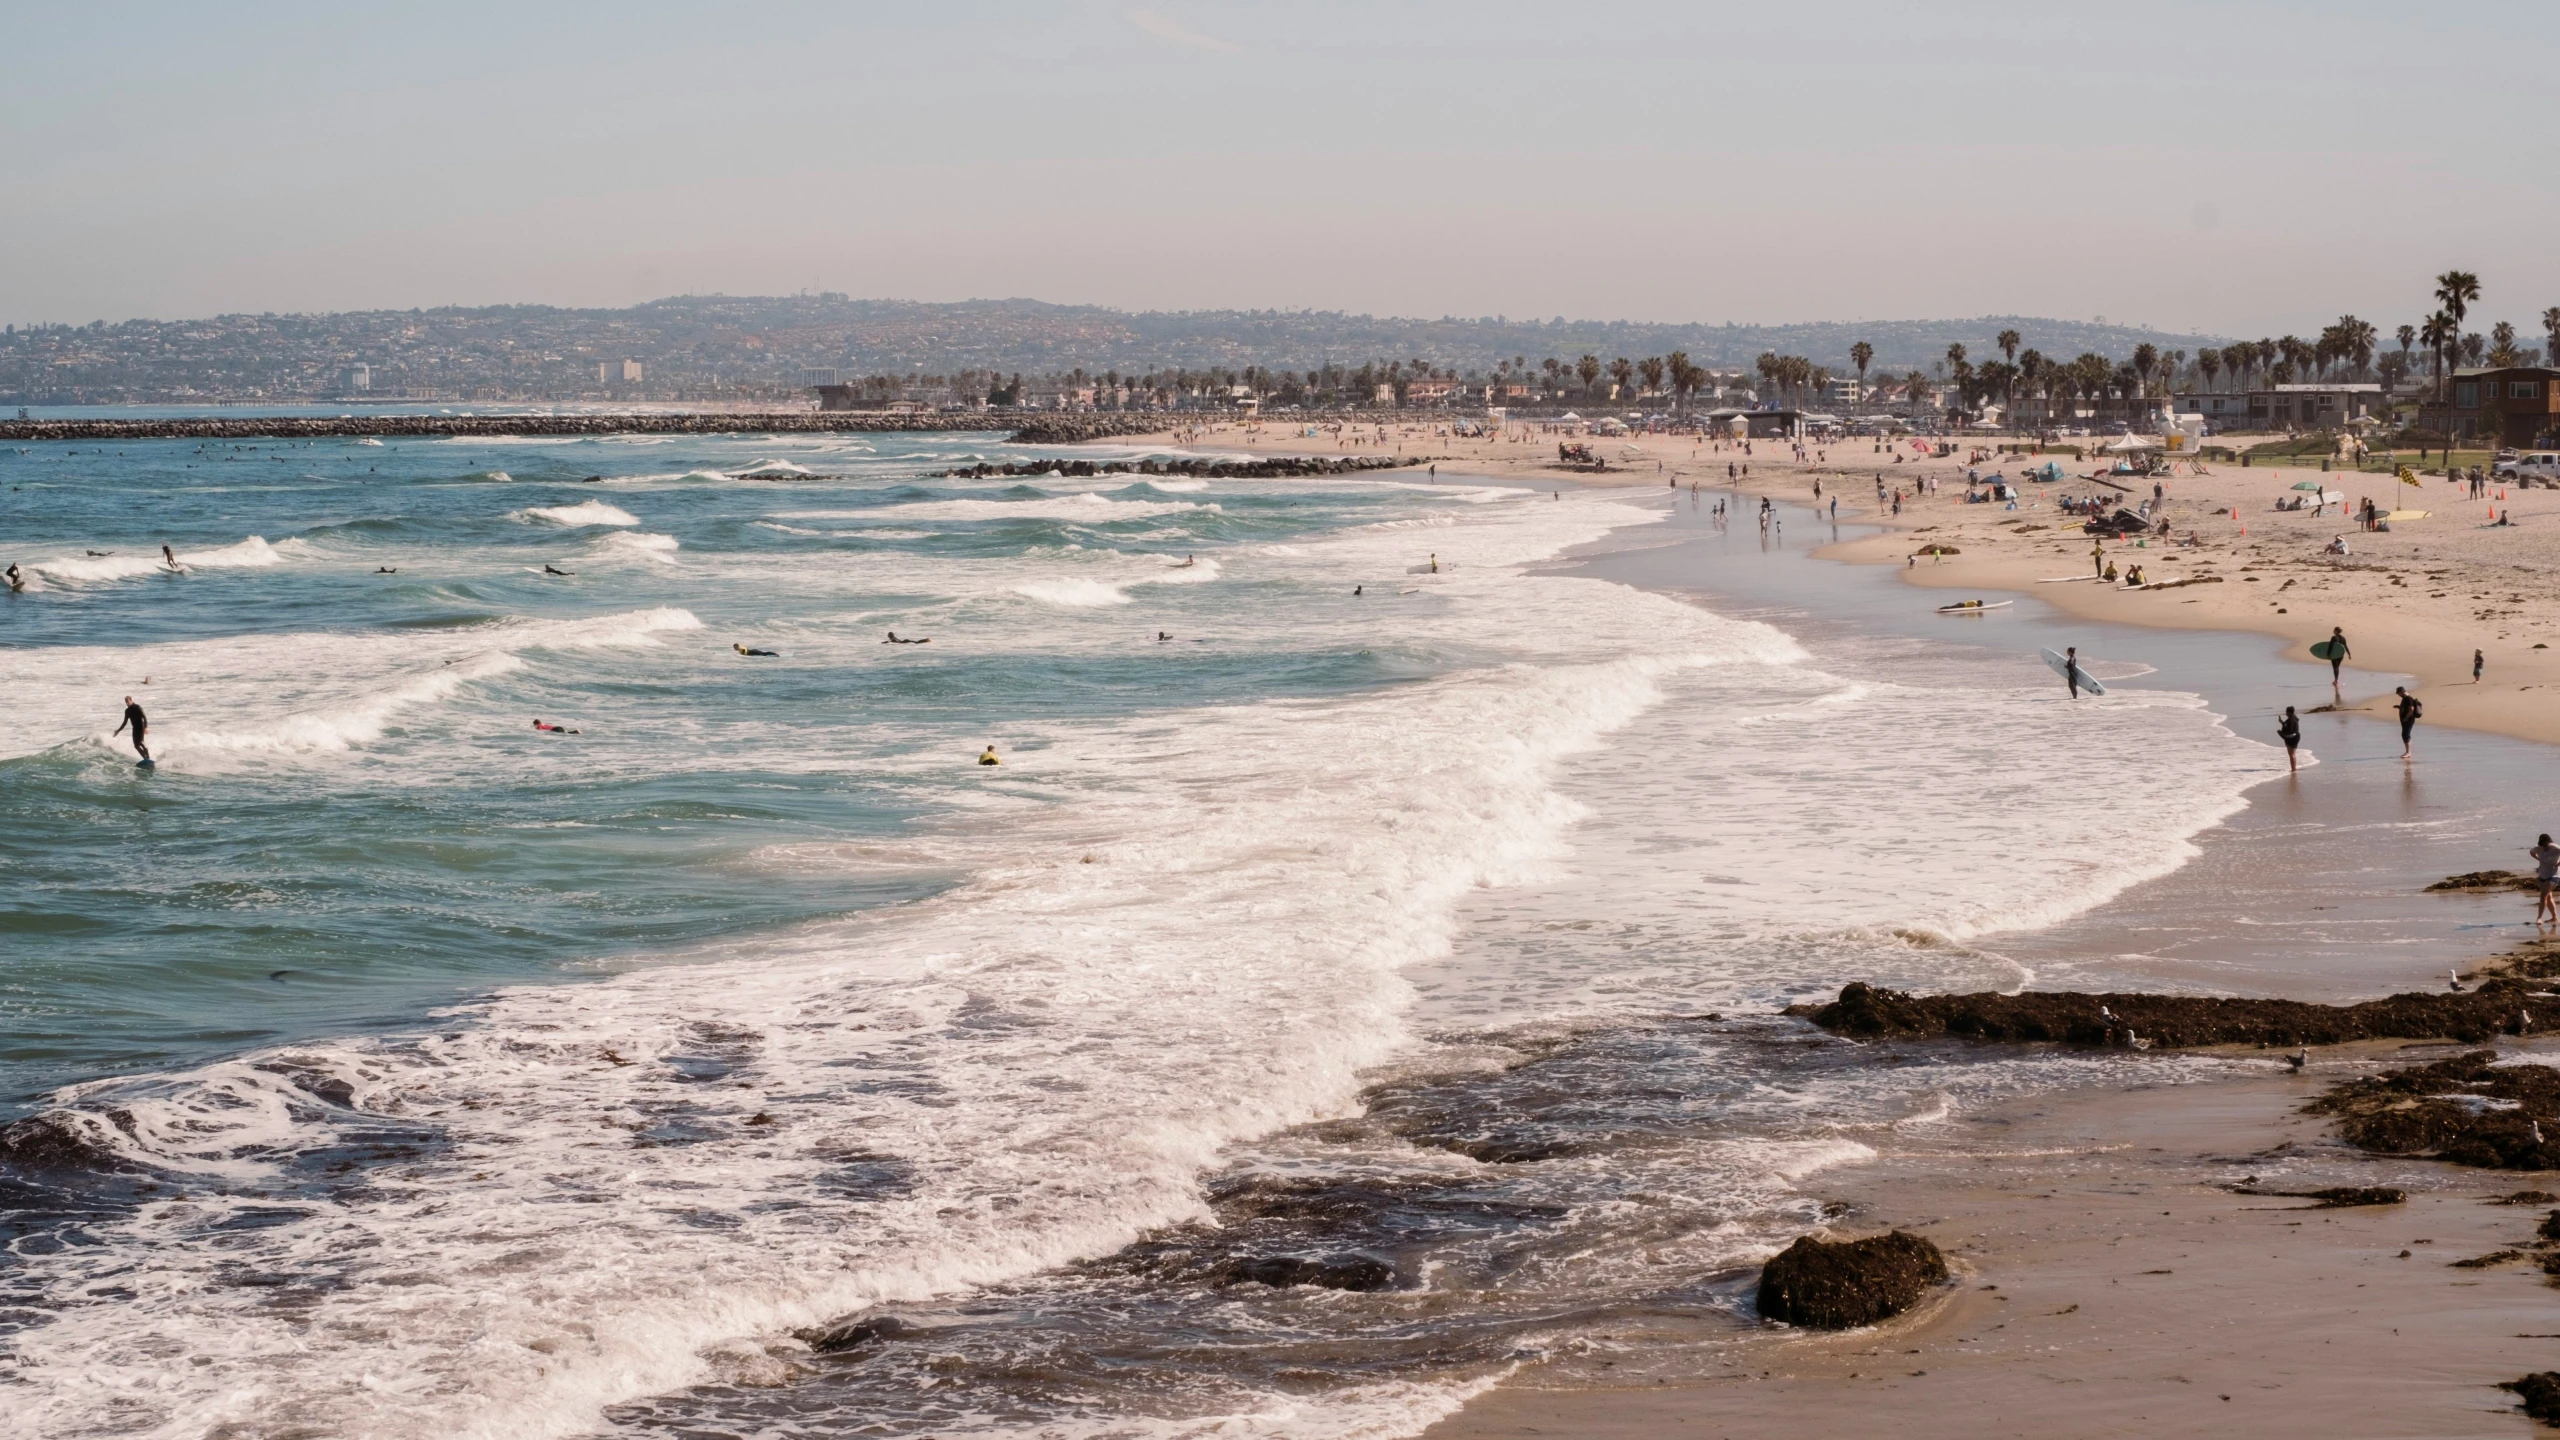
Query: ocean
x=1366 y=895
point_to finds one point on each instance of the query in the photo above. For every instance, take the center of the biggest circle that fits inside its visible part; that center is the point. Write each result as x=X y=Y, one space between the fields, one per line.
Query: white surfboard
x=1973 y=607
x=2062 y=666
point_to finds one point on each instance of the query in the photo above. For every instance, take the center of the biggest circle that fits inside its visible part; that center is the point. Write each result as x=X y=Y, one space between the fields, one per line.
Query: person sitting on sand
x=552 y=729
x=2337 y=546
x=743 y=650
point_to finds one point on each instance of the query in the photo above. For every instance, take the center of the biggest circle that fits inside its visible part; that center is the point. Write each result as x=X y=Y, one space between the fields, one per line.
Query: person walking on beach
x=2289 y=730
x=2478 y=660
x=140 y=722
x=2338 y=653
x=2546 y=875
x=2410 y=710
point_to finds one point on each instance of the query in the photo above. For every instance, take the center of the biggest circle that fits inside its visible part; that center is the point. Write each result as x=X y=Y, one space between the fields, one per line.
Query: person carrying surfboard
x=2334 y=650
x=2071 y=669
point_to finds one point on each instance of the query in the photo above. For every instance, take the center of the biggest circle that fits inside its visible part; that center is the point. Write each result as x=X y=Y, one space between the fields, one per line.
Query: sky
x=2230 y=168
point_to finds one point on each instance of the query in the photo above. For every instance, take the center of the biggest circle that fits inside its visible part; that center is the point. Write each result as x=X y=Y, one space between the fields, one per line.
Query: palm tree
x=2502 y=344
x=2146 y=358
x=1955 y=357
x=2455 y=290
x=2357 y=339
x=2473 y=348
x=2551 y=331
x=1622 y=373
x=1650 y=368
x=1914 y=385
x=2008 y=343
x=1862 y=352
x=2439 y=332
x=2407 y=335
x=1676 y=366
x=1588 y=367
x=2210 y=362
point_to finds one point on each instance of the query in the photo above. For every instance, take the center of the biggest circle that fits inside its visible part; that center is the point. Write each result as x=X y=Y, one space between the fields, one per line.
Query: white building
x=626 y=371
x=355 y=379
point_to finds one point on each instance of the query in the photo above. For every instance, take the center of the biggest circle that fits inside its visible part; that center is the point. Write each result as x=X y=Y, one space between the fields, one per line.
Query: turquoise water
x=1355 y=889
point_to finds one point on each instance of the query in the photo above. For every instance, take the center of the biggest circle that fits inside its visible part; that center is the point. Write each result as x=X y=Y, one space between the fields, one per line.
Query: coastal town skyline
x=1678 y=165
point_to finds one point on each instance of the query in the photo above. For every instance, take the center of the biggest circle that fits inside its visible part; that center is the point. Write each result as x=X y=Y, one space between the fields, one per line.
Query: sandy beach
x=2111 y=1280
x=2414 y=601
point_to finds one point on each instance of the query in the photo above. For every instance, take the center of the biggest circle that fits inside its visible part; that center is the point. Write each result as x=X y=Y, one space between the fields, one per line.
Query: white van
x=2536 y=467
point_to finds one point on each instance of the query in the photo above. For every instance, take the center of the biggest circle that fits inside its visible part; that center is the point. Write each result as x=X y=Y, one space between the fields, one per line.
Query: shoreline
x=2499 y=587
x=2045 y=1204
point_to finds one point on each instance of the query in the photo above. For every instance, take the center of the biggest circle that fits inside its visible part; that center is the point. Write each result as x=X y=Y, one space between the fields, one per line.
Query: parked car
x=2538 y=467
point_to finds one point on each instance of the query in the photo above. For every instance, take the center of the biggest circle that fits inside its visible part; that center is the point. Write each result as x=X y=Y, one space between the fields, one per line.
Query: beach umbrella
x=2306 y=485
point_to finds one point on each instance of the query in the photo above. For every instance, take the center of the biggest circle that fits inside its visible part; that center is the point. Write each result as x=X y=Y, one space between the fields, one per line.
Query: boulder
x=2540 y=1394
x=1331 y=1272
x=1839 y=1284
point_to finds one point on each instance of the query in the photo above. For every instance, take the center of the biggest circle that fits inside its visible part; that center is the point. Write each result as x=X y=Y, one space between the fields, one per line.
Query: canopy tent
x=2127 y=444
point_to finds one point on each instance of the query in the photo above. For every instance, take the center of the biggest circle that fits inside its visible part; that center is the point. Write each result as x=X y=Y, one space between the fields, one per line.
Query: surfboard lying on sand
x=2063 y=579
x=1973 y=607
x=2062 y=666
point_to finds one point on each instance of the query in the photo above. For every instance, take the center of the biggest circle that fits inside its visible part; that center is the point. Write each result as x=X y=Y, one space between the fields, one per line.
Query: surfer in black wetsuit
x=18 y=582
x=140 y=722
x=894 y=640
x=552 y=729
x=2338 y=653
x=743 y=650
x=2289 y=730
x=2410 y=710
x=556 y=570
x=2071 y=670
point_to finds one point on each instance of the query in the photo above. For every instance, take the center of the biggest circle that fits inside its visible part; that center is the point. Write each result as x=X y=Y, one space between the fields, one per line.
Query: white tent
x=2127 y=444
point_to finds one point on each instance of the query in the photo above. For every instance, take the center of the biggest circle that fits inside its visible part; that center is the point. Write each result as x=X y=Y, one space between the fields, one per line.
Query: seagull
x=2106 y=1014
x=2136 y=1041
x=2457 y=978
x=2537 y=1130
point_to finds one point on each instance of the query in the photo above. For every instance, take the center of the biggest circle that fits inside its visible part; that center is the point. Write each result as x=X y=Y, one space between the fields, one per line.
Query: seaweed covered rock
x=2539 y=1393
x=1837 y=1284
x=2469 y=1110
x=2498 y=1007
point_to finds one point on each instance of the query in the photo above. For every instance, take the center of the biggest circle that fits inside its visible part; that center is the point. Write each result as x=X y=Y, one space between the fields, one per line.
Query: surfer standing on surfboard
x=140 y=722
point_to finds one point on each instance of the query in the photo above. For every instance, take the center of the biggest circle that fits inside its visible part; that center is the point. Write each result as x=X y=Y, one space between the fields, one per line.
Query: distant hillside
x=707 y=347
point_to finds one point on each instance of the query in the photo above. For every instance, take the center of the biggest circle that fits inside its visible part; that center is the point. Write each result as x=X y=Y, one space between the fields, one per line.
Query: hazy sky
x=2237 y=168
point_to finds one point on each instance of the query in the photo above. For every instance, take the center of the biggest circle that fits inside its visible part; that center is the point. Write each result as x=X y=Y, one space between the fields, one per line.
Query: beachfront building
x=2512 y=405
x=625 y=372
x=2288 y=407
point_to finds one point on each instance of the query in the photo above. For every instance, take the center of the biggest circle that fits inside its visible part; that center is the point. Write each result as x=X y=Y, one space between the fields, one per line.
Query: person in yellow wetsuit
x=989 y=758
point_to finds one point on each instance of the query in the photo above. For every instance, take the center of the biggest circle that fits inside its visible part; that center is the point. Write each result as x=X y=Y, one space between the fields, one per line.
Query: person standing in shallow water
x=2546 y=874
x=2337 y=654
x=2410 y=710
x=2289 y=730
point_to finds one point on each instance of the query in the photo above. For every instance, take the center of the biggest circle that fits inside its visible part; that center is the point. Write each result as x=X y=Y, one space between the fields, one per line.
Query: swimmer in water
x=1356 y=589
x=894 y=640
x=553 y=729
x=989 y=758
x=1187 y=562
x=140 y=722
x=743 y=650
x=386 y=569
x=556 y=570
x=17 y=582
x=1160 y=635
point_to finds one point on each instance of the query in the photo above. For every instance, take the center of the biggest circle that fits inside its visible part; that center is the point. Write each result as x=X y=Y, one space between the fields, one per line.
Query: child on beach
x=2546 y=874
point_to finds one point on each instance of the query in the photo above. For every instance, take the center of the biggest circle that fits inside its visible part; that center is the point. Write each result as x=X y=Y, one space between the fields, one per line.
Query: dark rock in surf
x=51 y=1141
x=1840 y=1284
x=2540 y=1395
x=2487 y=880
x=1330 y=1272
x=2498 y=1006
x=855 y=1334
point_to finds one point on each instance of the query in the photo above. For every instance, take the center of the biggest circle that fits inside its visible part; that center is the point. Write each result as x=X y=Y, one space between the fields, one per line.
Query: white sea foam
x=647 y=546
x=251 y=553
x=585 y=512
x=1087 y=508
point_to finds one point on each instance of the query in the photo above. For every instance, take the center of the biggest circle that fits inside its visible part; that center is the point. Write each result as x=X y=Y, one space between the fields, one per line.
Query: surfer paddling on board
x=743 y=650
x=552 y=729
x=2289 y=730
x=140 y=722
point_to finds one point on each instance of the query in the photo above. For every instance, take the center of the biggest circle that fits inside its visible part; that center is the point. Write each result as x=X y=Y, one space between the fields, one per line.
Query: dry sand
x=2135 y=1293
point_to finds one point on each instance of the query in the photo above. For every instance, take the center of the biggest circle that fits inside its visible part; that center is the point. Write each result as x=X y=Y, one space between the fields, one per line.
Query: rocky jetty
x=1076 y=429
x=1280 y=468
x=2499 y=1006
x=1840 y=1284
x=399 y=427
